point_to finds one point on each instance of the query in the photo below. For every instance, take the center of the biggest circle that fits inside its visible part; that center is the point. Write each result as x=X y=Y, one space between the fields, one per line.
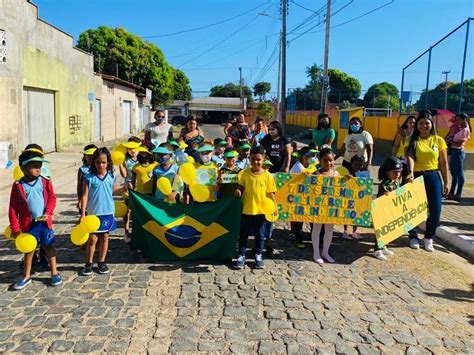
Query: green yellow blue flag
x=168 y=232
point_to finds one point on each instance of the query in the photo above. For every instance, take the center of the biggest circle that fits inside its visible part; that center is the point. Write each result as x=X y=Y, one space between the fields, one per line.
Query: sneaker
x=103 y=268
x=356 y=235
x=346 y=235
x=318 y=260
x=429 y=245
x=387 y=252
x=240 y=263
x=56 y=280
x=414 y=243
x=379 y=255
x=21 y=284
x=87 y=271
x=300 y=245
x=259 y=264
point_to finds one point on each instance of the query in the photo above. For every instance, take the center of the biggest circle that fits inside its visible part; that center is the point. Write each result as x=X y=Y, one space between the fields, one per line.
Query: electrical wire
x=209 y=25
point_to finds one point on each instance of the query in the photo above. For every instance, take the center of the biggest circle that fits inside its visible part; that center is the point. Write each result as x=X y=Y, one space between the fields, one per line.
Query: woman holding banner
x=427 y=156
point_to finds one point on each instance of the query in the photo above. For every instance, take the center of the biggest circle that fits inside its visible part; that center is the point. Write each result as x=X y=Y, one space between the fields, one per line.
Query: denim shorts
x=42 y=233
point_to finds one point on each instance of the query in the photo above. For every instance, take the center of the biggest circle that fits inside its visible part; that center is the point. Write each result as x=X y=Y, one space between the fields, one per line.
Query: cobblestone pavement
x=414 y=303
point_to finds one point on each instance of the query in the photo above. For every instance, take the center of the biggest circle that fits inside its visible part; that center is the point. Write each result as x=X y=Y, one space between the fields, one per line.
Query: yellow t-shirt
x=402 y=148
x=144 y=181
x=256 y=188
x=427 y=152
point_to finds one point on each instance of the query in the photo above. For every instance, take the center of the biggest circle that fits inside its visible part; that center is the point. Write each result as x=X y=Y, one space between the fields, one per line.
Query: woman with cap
x=277 y=147
x=357 y=142
x=390 y=177
x=427 y=156
x=159 y=131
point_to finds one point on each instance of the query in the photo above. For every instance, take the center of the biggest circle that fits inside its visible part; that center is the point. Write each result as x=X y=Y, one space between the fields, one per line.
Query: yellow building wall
x=71 y=94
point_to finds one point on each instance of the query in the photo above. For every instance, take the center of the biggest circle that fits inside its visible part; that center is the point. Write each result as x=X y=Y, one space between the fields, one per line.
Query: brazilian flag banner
x=170 y=232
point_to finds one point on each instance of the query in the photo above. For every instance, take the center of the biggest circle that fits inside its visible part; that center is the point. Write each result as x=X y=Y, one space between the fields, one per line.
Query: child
x=83 y=171
x=32 y=203
x=142 y=172
x=205 y=155
x=294 y=153
x=229 y=168
x=218 y=155
x=390 y=173
x=327 y=161
x=357 y=163
x=178 y=155
x=243 y=161
x=259 y=132
x=45 y=170
x=97 y=200
x=307 y=157
x=255 y=184
x=167 y=169
x=131 y=159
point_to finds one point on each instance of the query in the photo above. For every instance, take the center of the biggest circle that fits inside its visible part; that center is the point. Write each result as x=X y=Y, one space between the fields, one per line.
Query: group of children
x=33 y=201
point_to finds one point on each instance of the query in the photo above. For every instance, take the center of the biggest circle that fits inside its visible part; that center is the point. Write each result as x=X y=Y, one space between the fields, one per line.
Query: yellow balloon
x=120 y=148
x=17 y=173
x=26 y=243
x=118 y=158
x=271 y=217
x=120 y=208
x=164 y=185
x=267 y=206
x=190 y=159
x=79 y=236
x=8 y=233
x=199 y=192
x=187 y=171
x=342 y=170
x=90 y=224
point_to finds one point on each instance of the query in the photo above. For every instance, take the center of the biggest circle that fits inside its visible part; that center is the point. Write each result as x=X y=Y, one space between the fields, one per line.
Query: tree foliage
x=265 y=110
x=436 y=97
x=138 y=61
x=381 y=93
x=342 y=88
x=261 y=89
x=231 y=90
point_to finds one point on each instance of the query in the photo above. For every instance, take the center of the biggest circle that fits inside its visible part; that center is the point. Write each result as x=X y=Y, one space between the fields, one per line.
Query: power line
x=224 y=40
x=301 y=6
x=209 y=25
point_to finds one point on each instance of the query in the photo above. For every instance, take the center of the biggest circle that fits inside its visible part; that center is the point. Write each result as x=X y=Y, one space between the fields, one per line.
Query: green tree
x=381 y=89
x=265 y=110
x=261 y=89
x=386 y=101
x=181 y=88
x=137 y=61
x=436 y=97
x=342 y=87
x=231 y=90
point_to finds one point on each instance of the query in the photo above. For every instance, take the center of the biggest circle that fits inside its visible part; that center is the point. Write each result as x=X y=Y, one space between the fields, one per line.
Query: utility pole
x=324 y=90
x=241 y=91
x=446 y=72
x=278 y=117
x=284 y=11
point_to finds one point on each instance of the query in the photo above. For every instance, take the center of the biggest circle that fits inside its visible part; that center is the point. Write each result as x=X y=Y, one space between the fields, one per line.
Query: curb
x=454 y=238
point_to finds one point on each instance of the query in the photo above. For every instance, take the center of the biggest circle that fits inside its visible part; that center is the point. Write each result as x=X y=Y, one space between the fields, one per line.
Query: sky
x=369 y=41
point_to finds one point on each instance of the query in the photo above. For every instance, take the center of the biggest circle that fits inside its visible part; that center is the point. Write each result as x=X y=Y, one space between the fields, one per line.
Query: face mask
x=273 y=132
x=312 y=160
x=205 y=159
x=355 y=127
x=160 y=120
x=163 y=160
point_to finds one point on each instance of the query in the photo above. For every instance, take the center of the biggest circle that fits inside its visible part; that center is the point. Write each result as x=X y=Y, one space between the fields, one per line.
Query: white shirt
x=158 y=134
x=297 y=168
x=355 y=145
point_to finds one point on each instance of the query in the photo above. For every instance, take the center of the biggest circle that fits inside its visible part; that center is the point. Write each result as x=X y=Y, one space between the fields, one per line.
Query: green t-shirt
x=320 y=136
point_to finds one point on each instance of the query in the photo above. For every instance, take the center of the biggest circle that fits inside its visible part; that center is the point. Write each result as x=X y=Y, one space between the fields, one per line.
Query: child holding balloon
x=257 y=188
x=32 y=203
x=142 y=172
x=83 y=171
x=97 y=200
x=167 y=170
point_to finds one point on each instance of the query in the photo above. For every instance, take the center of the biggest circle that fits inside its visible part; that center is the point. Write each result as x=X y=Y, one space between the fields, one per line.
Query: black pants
x=296 y=228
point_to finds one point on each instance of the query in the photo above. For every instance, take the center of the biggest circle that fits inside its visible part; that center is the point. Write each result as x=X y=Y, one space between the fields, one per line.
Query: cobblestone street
x=416 y=302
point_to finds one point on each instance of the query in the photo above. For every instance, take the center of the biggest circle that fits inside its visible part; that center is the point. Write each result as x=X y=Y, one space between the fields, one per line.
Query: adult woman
x=259 y=132
x=277 y=147
x=192 y=135
x=323 y=134
x=455 y=140
x=427 y=156
x=159 y=131
x=357 y=142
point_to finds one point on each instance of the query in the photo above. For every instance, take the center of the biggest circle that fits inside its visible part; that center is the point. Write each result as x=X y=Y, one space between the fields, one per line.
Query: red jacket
x=18 y=212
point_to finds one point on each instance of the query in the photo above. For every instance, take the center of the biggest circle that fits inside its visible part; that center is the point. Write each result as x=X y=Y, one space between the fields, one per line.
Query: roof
x=216 y=104
x=122 y=82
